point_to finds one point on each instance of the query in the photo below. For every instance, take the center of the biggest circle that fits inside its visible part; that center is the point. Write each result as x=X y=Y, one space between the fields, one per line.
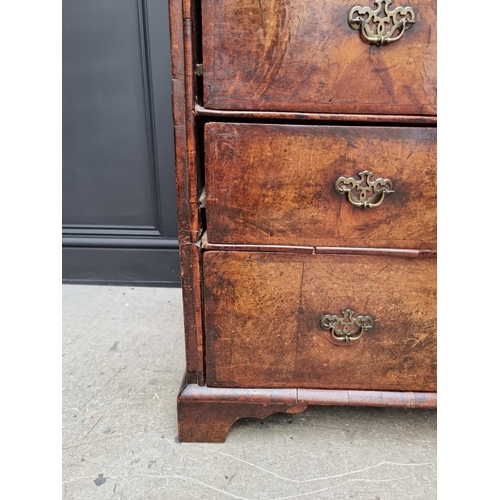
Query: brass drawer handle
x=363 y=192
x=346 y=328
x=381 y=30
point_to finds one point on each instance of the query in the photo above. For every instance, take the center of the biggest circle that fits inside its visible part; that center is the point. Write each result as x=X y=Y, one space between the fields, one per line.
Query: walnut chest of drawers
x=305 y=142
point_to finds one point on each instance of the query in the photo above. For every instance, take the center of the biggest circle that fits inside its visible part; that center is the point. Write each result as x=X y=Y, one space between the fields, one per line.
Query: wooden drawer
x=298 y=55
x=262 y=321
x=275 y=185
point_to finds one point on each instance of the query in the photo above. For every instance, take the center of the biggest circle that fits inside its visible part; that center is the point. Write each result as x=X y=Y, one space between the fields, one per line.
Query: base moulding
x=205 y=414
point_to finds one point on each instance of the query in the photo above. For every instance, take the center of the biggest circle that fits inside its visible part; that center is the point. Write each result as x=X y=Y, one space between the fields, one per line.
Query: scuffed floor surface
x=123 y=360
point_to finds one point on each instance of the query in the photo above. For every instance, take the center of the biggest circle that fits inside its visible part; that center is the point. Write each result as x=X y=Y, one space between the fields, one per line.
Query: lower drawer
x=263 y=315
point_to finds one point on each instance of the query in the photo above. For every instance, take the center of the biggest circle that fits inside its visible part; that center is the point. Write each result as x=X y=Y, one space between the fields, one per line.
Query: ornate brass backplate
x=363 y=192
x=347 y=327
x=381 y=30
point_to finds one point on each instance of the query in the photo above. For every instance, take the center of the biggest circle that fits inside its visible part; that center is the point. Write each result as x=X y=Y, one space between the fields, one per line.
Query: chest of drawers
x=305 y=141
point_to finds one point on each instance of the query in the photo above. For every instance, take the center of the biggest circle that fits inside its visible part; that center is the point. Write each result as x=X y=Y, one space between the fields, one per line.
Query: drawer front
x=275 y=184
x=263 y=311
x=298 y=55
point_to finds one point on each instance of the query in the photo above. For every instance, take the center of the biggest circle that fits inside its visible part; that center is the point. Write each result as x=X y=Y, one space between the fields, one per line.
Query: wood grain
x=298 y=55
x=262 y=313
x=272 y=116
x=188 y=186
x=416 y=254
x=368 y=398
x=274 y=184
x=187 y=181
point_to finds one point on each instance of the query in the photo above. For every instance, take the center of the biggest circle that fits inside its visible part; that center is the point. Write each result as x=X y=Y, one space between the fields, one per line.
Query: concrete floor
x=123 y=360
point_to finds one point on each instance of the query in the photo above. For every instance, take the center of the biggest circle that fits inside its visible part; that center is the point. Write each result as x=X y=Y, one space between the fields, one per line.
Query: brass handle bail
x=363 y=192
x=379 y=30
x=347 y=327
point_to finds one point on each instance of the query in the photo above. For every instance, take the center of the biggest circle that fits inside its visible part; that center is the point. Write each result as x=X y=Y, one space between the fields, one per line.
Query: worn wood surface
x=416 y=254
x=378 y=252
x=274 y=184
x=209 y=422
x=205 y=414
x=231 y=115
x=187 y=180
x=368 y=398
x=262 y=313
x=183 y=102
x=298 y=55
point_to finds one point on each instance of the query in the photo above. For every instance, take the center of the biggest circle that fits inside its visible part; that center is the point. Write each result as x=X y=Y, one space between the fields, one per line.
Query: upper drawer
x=276 y=185
x=298 y=55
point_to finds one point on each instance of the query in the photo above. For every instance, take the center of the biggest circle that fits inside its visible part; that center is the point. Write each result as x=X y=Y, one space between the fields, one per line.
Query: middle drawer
x=355 y=186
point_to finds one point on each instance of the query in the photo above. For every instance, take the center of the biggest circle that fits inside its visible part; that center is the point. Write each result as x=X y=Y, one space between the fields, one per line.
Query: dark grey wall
x=119 y=213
